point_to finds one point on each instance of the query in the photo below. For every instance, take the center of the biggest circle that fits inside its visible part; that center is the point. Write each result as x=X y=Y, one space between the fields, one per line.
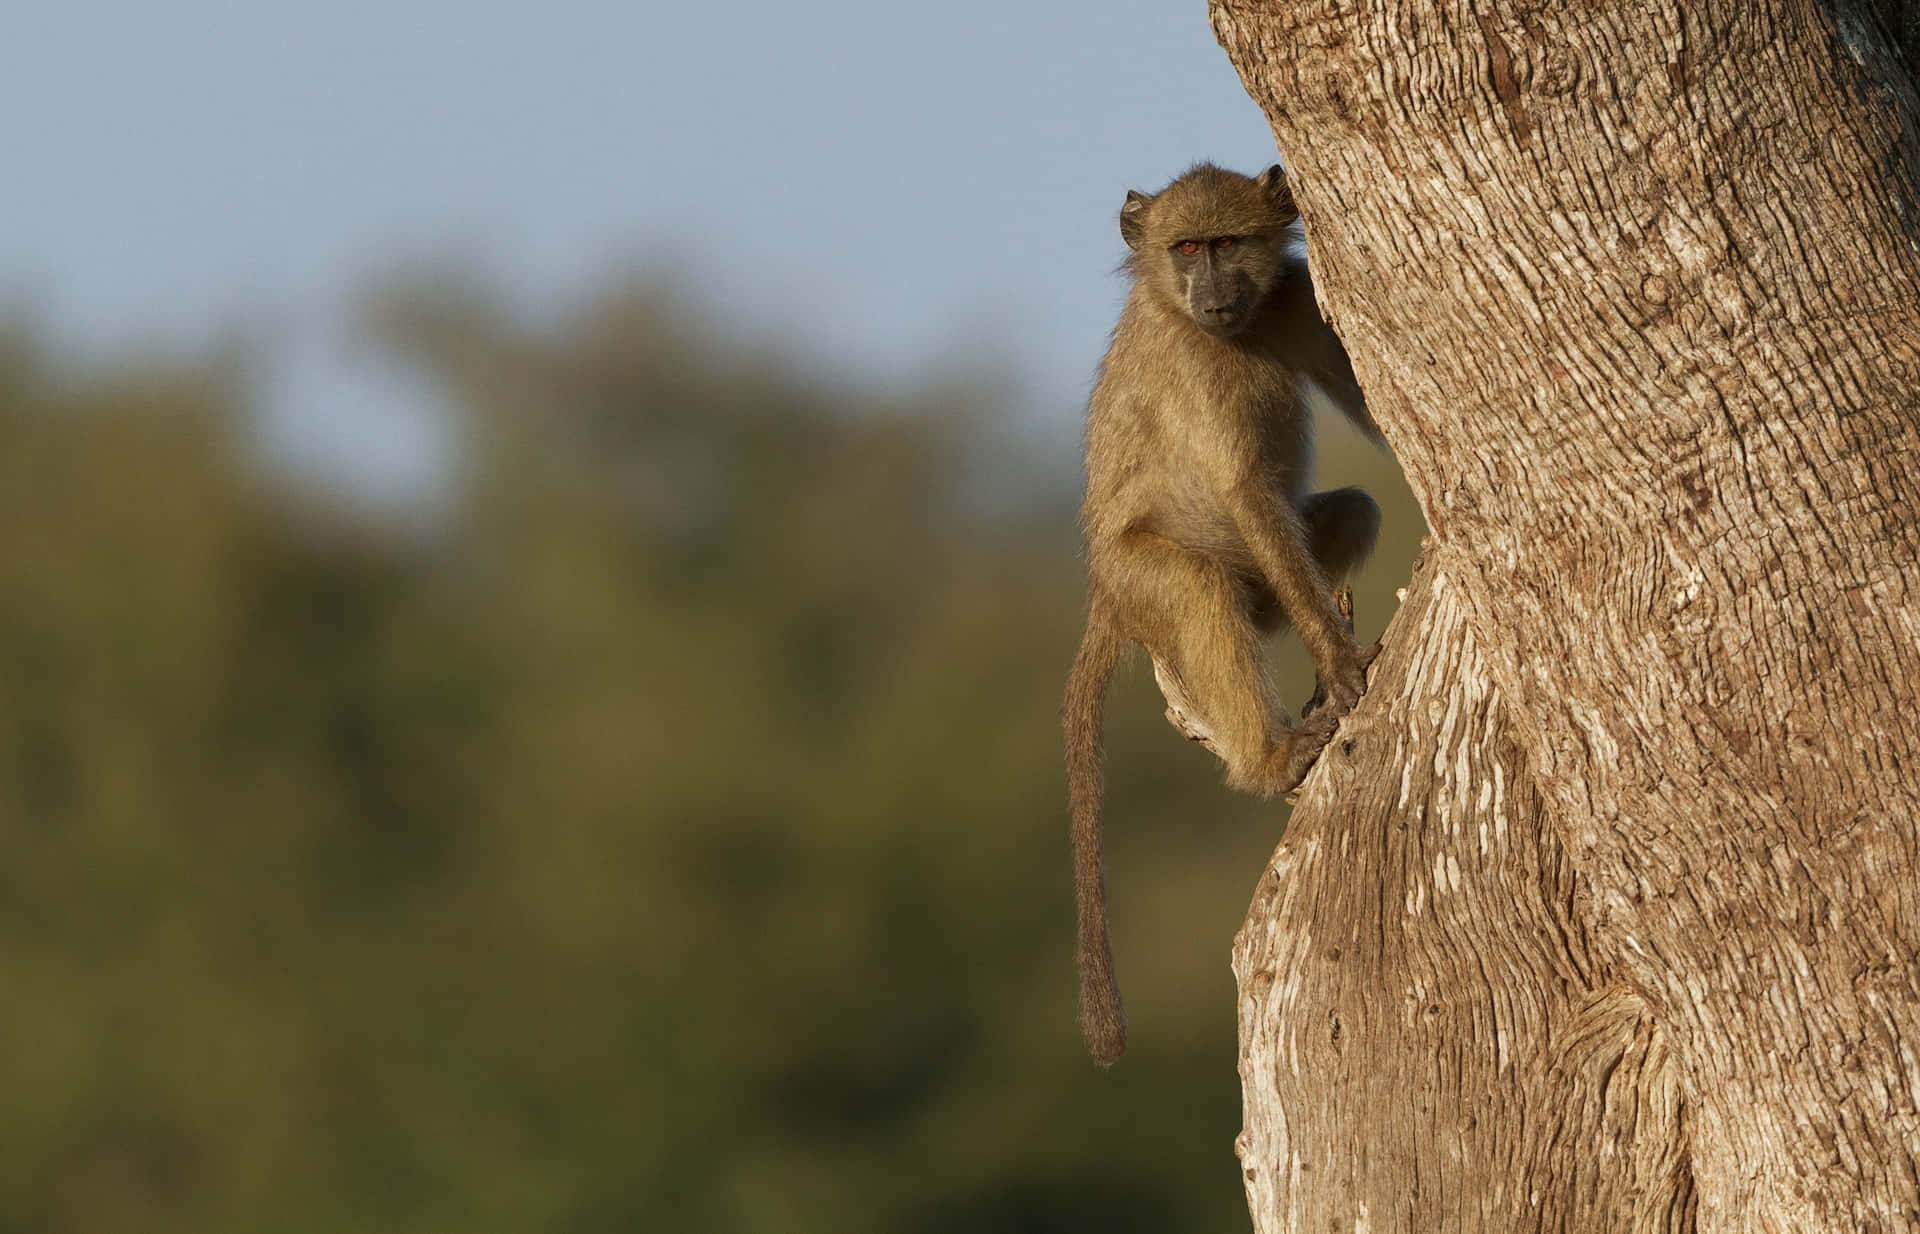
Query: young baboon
x=1201 y=534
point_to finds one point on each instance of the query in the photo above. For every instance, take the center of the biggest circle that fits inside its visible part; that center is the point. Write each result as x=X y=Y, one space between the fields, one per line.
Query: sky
x=889 y=190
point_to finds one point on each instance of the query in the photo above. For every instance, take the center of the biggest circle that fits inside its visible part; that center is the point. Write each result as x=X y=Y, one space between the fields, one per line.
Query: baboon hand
x=1302 y=751
x=1349 y=682
x=1338 y=686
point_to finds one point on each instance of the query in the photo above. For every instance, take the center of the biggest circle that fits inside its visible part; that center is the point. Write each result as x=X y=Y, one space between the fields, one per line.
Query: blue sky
x=894 y=188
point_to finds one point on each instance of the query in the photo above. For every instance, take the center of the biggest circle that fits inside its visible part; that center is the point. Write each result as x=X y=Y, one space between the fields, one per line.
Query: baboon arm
x=1318 y=354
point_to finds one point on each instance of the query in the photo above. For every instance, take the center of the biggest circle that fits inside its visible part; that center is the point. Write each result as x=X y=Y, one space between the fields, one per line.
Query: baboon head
x=1210 y=244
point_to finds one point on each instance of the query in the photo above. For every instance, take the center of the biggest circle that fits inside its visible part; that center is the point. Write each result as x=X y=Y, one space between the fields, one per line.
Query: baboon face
x=1210 y=243
x=1222 y=279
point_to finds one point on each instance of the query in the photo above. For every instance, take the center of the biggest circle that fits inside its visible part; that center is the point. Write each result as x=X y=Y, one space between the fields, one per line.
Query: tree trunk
x=1601 y=913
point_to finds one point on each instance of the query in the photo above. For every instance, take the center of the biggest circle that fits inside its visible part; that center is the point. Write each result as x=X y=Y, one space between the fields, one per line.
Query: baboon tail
x=1102 y=1019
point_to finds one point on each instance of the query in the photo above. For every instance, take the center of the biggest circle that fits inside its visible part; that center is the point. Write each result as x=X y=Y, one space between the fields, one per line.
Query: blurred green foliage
x=671 y=839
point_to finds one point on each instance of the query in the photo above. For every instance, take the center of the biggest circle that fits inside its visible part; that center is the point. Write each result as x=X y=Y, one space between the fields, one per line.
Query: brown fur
x=1201 y=532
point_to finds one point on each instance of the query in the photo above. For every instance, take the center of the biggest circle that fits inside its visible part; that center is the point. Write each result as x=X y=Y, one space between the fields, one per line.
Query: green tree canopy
x=671 y=838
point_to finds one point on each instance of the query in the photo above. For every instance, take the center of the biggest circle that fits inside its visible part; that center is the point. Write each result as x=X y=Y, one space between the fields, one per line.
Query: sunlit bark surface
x=1603 y=911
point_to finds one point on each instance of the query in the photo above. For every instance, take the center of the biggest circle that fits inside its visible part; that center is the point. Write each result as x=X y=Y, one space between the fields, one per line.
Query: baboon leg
x=1192 y=613
x=1341 y=525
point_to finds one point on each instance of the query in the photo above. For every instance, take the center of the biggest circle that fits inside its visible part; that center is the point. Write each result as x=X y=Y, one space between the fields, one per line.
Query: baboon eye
x=1188 y=247
x=1222 y=243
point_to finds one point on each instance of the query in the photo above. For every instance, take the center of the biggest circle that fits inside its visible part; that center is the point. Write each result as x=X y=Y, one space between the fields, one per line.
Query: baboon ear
x=1133 y=219
x=1273 y=183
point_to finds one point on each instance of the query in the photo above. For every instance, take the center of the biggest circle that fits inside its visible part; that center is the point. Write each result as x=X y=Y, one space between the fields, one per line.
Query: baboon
x=1201 y=534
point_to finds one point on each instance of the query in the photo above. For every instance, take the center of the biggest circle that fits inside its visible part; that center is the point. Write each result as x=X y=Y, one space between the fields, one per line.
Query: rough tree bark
x=1602 y=911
